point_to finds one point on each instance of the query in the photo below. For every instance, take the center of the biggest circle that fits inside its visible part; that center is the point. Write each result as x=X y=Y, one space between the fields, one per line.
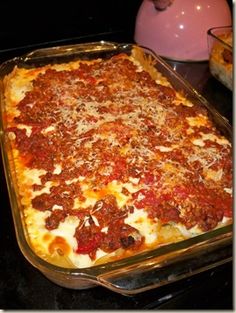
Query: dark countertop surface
x=23 y=287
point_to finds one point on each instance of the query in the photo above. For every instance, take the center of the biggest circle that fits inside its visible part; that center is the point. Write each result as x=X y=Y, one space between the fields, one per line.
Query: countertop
x=23 y=287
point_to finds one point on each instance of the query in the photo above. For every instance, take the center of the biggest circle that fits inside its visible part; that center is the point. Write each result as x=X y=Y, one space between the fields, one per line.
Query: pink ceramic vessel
x=180 y=31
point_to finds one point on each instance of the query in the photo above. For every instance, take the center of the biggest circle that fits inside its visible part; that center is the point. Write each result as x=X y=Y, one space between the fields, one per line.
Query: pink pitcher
x=177 y=29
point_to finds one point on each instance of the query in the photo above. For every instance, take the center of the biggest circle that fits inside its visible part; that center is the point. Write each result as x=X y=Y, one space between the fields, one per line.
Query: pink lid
x=180 y=31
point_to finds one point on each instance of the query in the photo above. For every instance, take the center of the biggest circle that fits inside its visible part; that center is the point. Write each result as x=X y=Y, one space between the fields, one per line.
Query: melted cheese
x=139 y=220
x=198 y=121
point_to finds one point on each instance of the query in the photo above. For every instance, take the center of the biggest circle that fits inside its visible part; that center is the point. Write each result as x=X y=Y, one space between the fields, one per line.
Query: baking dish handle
x=68 y=50
x=155 y=273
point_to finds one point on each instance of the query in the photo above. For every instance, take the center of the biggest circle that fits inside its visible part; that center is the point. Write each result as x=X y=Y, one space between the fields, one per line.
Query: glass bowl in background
x=220 y=44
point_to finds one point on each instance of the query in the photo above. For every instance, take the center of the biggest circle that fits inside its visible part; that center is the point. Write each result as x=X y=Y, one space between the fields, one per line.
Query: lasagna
x=109 y=160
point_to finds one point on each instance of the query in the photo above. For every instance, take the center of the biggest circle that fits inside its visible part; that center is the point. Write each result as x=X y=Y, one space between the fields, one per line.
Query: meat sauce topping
x=109 y=121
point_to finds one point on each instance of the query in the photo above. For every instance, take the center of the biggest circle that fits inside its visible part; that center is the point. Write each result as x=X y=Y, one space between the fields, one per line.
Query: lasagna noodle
x=111 y=161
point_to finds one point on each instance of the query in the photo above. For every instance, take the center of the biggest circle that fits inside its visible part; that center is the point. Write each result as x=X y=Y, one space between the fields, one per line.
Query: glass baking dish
x=149 y=269
x=221 y=54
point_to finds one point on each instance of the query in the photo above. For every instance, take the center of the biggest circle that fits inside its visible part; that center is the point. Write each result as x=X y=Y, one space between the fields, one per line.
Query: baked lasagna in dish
x=109 y=160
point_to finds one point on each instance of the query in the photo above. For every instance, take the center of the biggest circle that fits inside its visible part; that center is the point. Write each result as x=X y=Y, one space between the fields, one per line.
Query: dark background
x=31 y=22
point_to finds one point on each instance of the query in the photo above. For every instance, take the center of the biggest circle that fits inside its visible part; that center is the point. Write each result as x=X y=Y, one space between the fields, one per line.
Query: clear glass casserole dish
x=143 y=271
x=220 y=47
